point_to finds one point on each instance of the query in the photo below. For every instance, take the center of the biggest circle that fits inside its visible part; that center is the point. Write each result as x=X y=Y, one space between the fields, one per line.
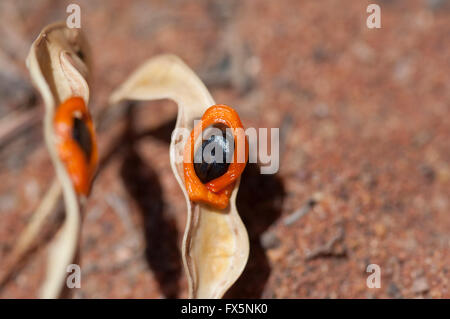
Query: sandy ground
x=364 y=125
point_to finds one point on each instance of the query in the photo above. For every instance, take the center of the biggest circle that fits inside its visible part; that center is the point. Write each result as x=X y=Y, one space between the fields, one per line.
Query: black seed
x=205 y=171
x=81 y=134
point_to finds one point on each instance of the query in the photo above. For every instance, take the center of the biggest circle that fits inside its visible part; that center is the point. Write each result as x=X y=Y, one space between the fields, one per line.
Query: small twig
x=18 y=122
x=302 y=211
x=27 y=238
x=327 y=250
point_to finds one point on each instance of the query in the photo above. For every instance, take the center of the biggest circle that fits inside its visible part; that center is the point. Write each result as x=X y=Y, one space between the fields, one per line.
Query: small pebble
x=420 y=285
x=270 y=240
x=393 y=291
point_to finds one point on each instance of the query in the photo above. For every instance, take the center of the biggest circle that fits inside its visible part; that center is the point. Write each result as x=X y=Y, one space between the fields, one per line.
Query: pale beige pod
x=215 y=245
x=58 y=65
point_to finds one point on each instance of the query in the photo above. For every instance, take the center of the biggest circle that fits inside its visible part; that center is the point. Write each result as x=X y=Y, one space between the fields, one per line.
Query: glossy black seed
x=219 y=150
x=81 y=134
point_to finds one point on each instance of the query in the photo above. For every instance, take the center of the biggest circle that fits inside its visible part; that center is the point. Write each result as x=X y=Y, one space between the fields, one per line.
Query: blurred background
x=364 y=143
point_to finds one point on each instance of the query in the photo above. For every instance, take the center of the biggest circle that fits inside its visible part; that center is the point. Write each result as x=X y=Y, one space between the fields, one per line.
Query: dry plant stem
x=58 y=73
x=17 y=122
x=215 y=244
x=28 y=236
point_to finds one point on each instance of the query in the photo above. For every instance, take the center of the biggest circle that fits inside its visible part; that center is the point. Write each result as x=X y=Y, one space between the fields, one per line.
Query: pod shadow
x=143 y=185
x=259 y=203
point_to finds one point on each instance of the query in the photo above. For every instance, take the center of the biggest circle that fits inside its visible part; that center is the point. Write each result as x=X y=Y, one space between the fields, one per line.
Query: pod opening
x=81 y=134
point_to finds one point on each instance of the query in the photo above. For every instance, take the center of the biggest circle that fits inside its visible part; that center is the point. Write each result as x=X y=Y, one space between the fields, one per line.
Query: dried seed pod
x=59 y=67
x=216 y=192
x=215 y=244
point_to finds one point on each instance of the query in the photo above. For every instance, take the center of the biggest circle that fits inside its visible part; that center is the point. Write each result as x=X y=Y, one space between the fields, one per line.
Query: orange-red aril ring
x=76 y=142
x=217 y=192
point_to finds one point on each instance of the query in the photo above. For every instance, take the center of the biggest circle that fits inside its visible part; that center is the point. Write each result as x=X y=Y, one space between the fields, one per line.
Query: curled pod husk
x=215 y=245
x=58 y=63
